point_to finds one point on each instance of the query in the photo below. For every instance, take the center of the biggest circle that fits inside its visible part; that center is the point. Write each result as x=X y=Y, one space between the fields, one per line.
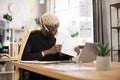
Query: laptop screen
x=88 y=53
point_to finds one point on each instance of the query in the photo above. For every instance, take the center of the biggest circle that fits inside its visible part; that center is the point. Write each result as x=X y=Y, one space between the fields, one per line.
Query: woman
x=41 y=44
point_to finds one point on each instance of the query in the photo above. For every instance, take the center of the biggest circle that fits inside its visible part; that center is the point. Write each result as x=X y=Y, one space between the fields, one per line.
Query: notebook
x=88 y=53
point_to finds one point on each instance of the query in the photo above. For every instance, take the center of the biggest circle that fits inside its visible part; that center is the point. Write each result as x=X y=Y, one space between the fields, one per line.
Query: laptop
x=88 y=53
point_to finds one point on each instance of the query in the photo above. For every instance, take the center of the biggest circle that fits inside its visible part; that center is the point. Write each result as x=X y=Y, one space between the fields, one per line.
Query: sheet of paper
x=68 y=67
x=41 y=62
x=68 y=44
x=47 y=62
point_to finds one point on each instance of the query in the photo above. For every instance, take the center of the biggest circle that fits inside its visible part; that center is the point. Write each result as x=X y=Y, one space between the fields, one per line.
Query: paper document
x=68 y=44
x=68 y=67
x=41 y=62
x=47 y=62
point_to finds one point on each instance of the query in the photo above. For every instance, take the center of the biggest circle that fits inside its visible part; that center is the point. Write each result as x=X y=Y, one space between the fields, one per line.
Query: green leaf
x=102 y=50
x=75 y=34
x=7 y=17
x=1 y=46
x=37 y=21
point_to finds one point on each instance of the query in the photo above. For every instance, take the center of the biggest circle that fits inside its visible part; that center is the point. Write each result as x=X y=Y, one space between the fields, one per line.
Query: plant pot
x=103 y=63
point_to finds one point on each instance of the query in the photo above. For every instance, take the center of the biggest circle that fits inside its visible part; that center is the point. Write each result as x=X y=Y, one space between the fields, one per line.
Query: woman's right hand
x=55 y=49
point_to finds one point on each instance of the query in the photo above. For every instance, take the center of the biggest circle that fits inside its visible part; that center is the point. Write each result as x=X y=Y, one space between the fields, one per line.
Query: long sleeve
x=28 y=55
x=37 y=43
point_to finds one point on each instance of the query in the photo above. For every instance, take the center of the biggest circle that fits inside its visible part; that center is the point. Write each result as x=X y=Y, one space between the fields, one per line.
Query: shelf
x=13 y=38
x=7 y=72
x=16 y=43
x=117 y=5
x=116 y=16
x=16 y=29
x=7 y=59
x=116 y=50
x=116 y=27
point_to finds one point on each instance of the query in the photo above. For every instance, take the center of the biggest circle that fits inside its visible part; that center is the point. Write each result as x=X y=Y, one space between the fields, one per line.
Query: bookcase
x=6 y=70
x=13 y=39
x=115 y=29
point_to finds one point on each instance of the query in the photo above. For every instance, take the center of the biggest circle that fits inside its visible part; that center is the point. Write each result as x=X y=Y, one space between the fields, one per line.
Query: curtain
x=98 y=21
x=101 y=26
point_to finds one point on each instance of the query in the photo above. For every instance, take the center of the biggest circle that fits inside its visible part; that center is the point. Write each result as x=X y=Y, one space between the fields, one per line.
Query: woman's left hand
x=77 y=50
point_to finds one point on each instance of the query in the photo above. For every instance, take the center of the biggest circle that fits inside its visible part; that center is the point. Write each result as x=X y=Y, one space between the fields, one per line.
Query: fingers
x=58 y=45
x=55 y=49
x=77 y=49
x=58 y=48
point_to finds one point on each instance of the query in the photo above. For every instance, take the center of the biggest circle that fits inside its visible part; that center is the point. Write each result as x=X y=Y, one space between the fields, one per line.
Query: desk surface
x=113 y=74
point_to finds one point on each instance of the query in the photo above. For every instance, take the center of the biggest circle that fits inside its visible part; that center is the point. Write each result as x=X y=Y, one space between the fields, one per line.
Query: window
x=76 y=19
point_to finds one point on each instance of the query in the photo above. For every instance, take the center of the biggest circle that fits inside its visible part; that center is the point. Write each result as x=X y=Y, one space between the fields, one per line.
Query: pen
x=62 y=43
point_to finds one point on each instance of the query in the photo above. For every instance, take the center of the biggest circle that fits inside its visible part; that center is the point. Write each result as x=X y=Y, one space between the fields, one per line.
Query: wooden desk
x=113 y=74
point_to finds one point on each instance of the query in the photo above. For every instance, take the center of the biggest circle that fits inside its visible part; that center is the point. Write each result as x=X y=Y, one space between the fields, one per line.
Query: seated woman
x=41 y=44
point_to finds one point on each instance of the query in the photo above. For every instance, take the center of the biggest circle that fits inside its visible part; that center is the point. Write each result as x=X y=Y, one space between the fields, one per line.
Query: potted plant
x=37 y=21
x=1 y=48
x=7 y=17
x=103 y=60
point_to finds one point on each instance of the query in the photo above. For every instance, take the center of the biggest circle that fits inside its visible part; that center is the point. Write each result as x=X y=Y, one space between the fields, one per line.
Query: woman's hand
x=77 y=50
x=55 y=49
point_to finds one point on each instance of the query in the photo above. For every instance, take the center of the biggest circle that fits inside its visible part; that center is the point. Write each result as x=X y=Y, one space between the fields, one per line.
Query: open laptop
x=88 y=53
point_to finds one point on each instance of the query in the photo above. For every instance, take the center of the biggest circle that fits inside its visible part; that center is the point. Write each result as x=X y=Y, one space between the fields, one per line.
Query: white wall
x=23 y=13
